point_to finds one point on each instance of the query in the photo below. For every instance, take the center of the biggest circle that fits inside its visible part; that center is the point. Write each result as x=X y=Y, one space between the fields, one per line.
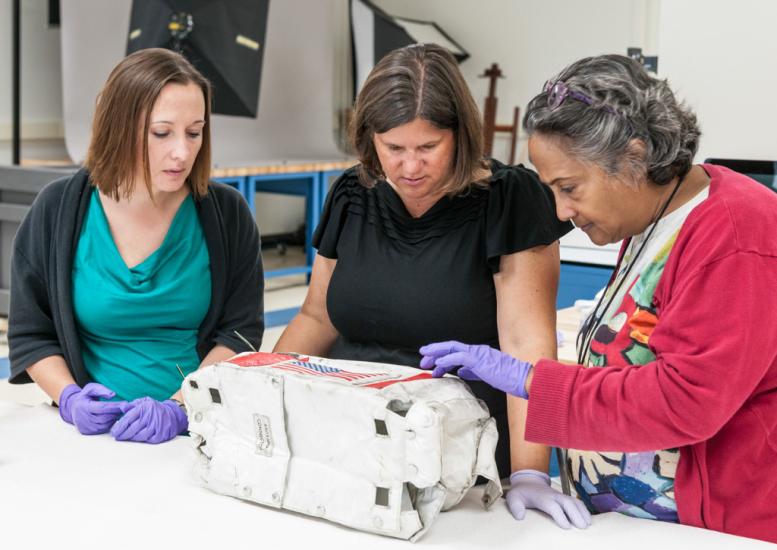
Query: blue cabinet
x=580 y=282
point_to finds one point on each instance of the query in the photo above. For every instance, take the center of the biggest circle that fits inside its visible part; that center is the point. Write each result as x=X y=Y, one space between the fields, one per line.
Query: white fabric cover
x=377 y=447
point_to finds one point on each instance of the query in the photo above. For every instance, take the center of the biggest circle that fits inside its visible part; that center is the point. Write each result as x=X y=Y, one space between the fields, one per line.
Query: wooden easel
x=490 y=127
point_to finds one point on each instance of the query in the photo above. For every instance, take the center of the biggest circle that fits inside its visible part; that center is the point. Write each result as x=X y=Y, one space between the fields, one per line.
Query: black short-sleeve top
x=402 y=282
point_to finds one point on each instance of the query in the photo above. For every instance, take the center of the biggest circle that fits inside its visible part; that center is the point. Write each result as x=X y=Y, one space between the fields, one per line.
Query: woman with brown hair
x=425 y=239
x=136 y=266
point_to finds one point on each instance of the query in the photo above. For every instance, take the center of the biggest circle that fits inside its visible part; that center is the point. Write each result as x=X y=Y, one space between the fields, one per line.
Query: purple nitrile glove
x=480 y=362
x=83 y=408
x=147 y=420
x=531 y=489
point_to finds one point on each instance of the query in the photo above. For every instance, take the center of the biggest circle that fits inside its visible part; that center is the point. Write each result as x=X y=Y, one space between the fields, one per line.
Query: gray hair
x=645 y=108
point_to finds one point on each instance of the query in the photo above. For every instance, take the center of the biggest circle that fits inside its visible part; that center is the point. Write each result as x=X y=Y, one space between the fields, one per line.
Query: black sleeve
x=521 y=214
x=244 y=301
x=32 y=333
x=342 y=192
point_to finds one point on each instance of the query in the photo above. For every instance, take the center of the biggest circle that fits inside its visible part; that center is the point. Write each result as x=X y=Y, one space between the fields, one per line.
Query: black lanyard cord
x=586 y=333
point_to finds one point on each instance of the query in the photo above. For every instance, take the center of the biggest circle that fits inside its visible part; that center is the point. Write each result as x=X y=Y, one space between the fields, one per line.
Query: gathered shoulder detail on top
x=514 y=210
x=346 y=195
x=521 y=213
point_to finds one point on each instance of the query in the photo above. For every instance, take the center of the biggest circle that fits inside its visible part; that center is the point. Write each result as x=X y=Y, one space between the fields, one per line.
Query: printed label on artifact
x=264 y=444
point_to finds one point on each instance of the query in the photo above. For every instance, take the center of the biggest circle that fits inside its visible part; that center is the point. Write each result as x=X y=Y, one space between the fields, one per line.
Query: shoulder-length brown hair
x=419 y=81
x=122 y=116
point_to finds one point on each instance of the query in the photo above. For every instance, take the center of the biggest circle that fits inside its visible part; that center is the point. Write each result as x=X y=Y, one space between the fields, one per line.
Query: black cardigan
x=41 y=321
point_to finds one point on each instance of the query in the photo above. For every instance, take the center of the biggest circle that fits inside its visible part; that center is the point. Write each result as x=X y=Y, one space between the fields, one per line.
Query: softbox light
x=375 y=33
x=224 y=39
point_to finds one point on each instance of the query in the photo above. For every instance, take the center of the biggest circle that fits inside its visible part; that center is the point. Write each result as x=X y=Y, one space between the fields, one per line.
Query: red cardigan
x=712 y=389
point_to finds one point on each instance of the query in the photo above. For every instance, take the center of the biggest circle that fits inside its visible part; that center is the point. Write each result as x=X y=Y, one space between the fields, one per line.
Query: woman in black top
x=426 y=241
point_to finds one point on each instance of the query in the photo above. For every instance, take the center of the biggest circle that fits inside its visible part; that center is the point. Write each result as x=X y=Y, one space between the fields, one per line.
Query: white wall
x=296 y=104
x=532 y=40
x=718 y=54
x=721 y=56
x=41 y=83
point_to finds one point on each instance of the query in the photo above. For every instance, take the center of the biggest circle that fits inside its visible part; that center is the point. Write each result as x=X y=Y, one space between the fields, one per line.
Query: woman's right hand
x=83 y=408
x=147 y=420
x=477 y=362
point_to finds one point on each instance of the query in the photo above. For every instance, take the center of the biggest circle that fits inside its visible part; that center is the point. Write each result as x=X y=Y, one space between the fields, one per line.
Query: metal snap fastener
x=198 y=417
x=276 y=497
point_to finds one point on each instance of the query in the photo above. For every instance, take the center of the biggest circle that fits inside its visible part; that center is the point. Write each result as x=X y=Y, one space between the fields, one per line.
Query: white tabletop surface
x=65 y=490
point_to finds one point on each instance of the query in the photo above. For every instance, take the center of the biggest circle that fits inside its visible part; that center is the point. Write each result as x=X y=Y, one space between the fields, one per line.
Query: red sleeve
x=715 y=340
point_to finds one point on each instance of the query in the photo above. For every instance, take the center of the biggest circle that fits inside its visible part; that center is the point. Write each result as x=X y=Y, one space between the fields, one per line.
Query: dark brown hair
x=419 y=81
x=127 y=99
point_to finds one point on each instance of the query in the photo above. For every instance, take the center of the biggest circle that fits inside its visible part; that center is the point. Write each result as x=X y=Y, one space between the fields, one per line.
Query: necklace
x=586 y=334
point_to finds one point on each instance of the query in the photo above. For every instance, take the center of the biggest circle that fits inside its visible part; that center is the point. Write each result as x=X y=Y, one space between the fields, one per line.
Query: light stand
x=16 y=84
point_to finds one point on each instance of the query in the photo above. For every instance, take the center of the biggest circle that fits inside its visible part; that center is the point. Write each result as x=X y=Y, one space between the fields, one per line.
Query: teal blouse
x=136 y=324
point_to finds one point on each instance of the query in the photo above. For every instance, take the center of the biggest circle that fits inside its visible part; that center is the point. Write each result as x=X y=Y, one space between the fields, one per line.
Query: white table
x=60 y=489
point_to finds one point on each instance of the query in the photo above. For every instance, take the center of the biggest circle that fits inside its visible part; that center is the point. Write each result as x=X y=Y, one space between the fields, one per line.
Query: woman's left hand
x=479 y=362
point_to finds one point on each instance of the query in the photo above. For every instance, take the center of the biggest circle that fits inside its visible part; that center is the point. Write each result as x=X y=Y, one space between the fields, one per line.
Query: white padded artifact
x=377 y=447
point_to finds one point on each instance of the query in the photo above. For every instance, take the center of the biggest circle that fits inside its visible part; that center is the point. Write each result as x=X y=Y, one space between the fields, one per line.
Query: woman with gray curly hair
x=685 y=333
